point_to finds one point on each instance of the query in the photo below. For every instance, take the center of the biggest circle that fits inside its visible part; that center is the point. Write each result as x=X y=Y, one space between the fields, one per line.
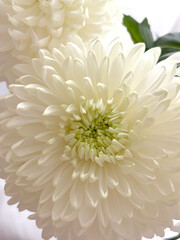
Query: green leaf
x=169 y=43
x=170 y=40
x=145 y=31
x=139 y=32
x=164 y=56
x=167 y=52
x=132 y=26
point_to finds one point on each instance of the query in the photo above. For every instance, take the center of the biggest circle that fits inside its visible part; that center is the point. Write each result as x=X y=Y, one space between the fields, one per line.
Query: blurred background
x=164 y=17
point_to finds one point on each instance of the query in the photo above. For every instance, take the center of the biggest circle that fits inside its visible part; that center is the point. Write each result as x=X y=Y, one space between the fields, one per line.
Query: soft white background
x=164 y=16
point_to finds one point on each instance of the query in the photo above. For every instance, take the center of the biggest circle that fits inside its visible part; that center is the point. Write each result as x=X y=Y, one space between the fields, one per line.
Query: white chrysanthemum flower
x=27 y=26
x=46 y=24
x=90 y=142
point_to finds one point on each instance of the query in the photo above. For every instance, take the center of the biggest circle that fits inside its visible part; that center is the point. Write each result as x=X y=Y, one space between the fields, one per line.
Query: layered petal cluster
x=90 y=141
x=6 y=43
x=27 y=26
x=42 y=23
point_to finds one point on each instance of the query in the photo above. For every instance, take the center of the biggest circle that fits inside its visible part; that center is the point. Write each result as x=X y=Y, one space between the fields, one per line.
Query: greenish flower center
x=98 y=132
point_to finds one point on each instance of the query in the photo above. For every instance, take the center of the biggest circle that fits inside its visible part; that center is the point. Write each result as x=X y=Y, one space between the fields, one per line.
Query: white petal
x=87 y=215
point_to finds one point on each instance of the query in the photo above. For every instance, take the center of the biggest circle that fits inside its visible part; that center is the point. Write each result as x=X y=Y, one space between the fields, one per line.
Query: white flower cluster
x=28 y=26
x=90 y=131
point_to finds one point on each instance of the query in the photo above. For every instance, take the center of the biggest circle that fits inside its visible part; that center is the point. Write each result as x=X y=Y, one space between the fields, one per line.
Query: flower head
x=42 y=23
x=27 y=26
x=90 y=141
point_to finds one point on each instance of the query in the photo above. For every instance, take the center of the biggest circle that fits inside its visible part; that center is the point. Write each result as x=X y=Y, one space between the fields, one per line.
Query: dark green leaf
x=140 y=32
x=167 y=52
x=133 y=28
x=146 y=33
x=170 y=40
x=164 y=56
x=170 y=43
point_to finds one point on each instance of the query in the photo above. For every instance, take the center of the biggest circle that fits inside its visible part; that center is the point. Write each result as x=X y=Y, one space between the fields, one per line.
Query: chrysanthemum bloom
x=90 y=142
x=31 y=25
x=42 y=23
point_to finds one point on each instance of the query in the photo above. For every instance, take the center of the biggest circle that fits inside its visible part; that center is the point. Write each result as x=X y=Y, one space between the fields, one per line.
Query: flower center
x=98 y=133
